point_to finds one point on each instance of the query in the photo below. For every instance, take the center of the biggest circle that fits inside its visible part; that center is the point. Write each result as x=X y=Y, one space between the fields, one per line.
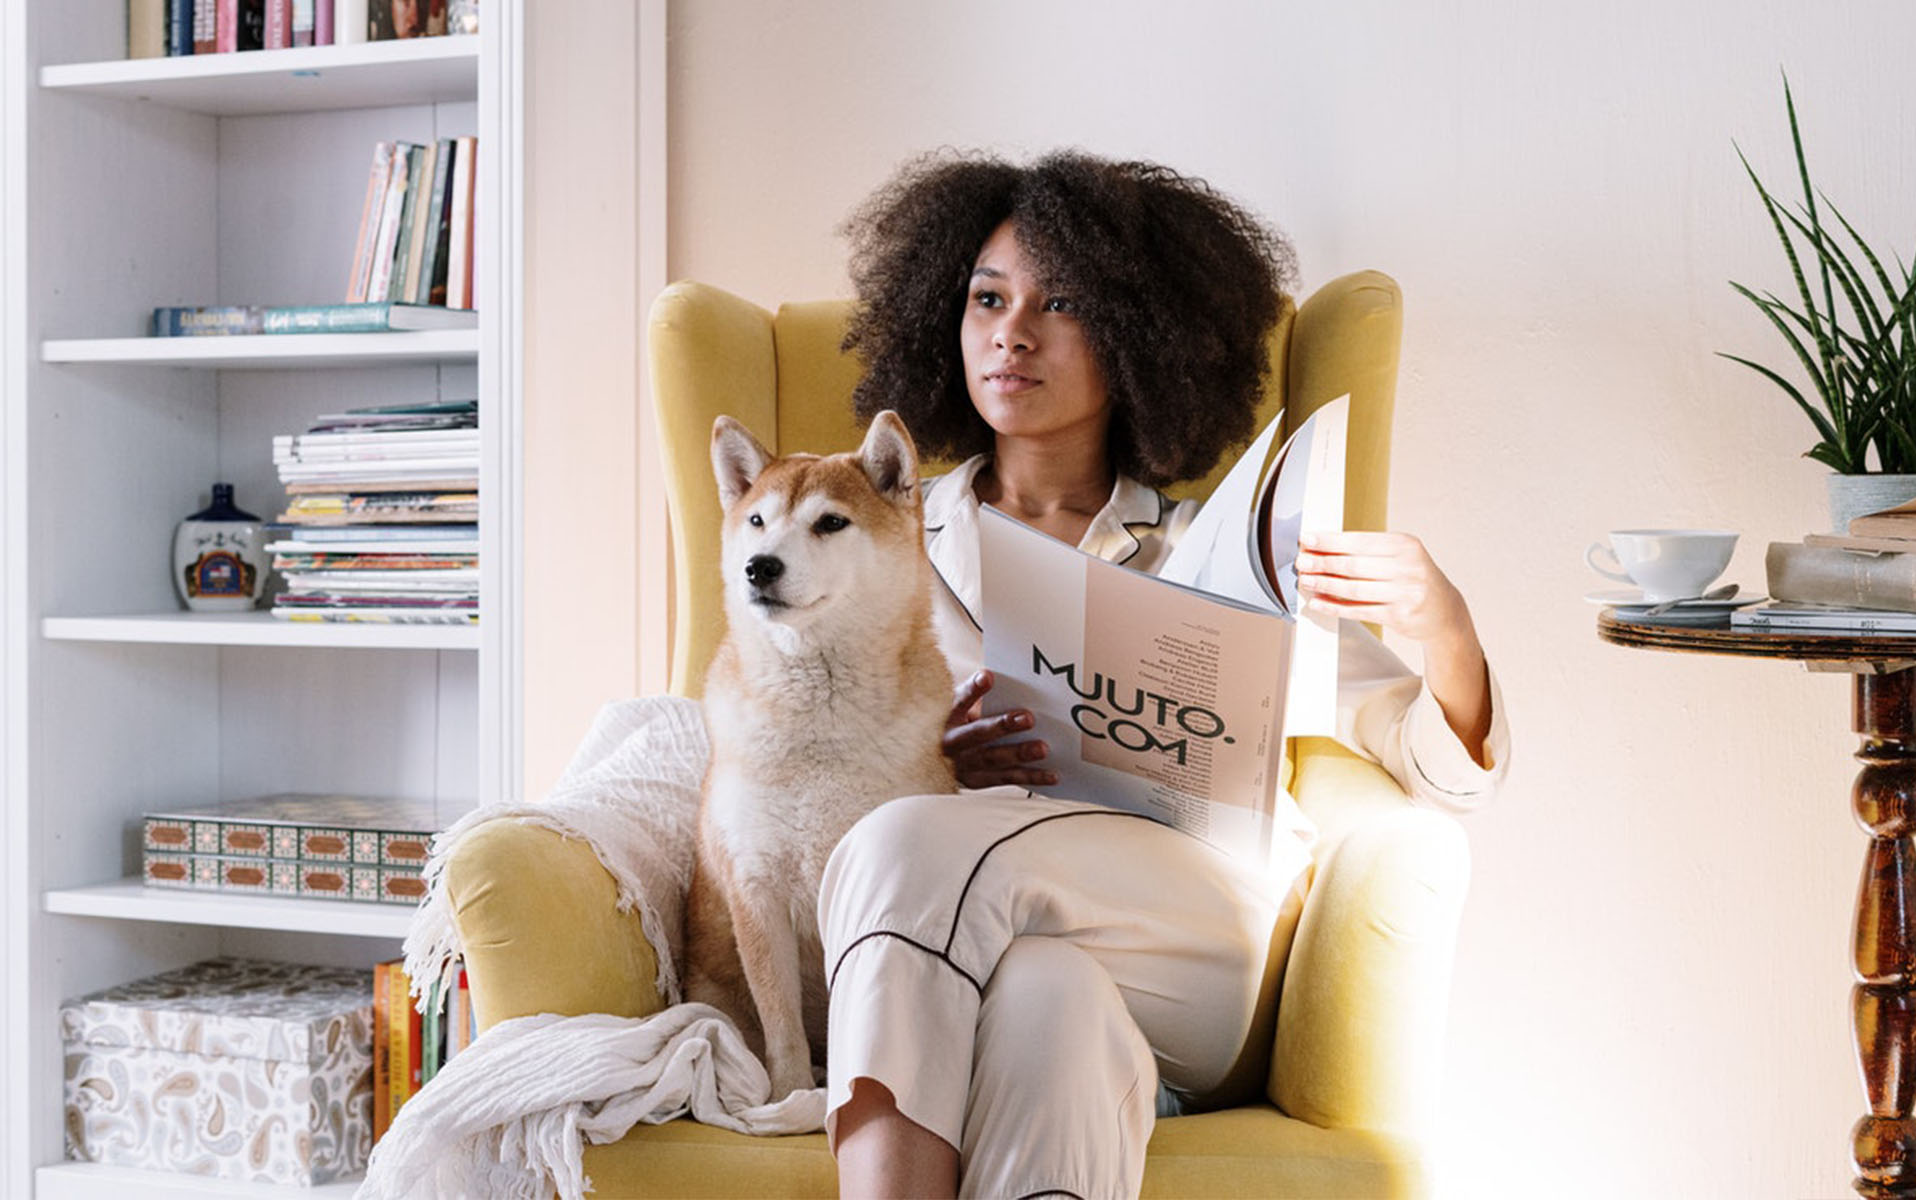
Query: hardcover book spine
x=179 y=28
x=349 y=21
x=226 y=26
x=146 y=25
x=206 y=322
x=408 y=214
x=278 y=33
x=379 y=283
x=369 y=213
x=252 y=24
x=322 y=22
x=382 y=1049
x=302 y=22
x=399 y=1010
x=205 y=25
x=1820 y=575
x=431 y=236
x=459 y=265
x=327 y=318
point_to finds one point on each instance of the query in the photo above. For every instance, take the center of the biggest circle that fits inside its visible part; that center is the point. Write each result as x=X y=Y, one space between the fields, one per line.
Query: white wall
x=1652 y=992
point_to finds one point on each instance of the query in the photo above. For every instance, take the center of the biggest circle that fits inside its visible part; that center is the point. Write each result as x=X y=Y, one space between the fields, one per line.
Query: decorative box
x=292 y=844
x=236 y=1068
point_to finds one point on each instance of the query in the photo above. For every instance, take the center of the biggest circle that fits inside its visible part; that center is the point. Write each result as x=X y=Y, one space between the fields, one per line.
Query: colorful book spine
x=329 y=318
x=369 y=214
x=226 y=22
x=379 y=282
x=278 y=33
x=459 y=266
x=303 y=22
x=245 y=319
x=205 y=24
x=432 y=233
x=408 y=213
x=146 y=26
x=401 y=1019
x=179 y=28
x=382 y=1049
x=421 y=205
x=323 y=22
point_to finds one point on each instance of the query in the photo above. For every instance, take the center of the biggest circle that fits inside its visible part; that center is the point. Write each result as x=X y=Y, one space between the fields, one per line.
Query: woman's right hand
x=972 y=743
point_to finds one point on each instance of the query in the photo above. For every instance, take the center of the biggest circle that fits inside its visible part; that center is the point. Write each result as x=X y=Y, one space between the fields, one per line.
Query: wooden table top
x=1877 y=650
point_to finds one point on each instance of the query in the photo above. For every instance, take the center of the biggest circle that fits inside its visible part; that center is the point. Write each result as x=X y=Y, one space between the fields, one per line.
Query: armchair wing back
x=786 y=378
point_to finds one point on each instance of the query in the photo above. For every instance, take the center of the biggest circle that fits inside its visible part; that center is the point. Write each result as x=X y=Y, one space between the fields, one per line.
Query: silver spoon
x=1722 y=593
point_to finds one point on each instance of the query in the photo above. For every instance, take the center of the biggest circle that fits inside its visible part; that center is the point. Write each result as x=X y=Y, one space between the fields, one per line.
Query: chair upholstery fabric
x=1354 y=1074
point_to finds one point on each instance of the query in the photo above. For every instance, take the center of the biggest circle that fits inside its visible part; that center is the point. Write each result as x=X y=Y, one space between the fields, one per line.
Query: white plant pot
x=1858 y=495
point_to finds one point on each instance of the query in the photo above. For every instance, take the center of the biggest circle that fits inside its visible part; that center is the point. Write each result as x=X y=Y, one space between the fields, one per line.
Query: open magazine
x=1172 y=695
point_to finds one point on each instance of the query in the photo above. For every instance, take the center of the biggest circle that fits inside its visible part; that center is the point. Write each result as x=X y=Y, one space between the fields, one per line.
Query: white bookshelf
x=257 y=629
x=306 y=79
x=131 y=900
x=284 y=352
x=219 y=179
x=86 y=1181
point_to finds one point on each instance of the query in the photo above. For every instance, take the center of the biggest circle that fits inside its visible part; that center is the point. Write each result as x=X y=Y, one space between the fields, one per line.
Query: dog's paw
x=790 y=1077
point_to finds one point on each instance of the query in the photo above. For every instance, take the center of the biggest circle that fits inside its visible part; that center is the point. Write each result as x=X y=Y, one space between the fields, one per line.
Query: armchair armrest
x=1360 y=1022
x=539 y=918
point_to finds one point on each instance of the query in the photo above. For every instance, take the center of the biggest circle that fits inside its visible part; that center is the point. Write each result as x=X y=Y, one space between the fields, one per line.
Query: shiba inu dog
x=827 y=698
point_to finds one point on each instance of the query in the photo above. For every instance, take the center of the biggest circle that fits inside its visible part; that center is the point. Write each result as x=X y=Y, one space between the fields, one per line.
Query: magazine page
x=1243 y=545
x=1153 y=697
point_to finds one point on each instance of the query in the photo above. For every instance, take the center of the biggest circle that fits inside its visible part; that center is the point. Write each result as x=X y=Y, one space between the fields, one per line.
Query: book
x=277 y=32
x=179 y=28
x=299 y=827
x=379 y=280
x=400 y=1016
x=349 y=21
x=416 y=169
x=396 y=535
x=379 y=615
x=146 y=28
x=1823 y=619
x=243 y=319
x=1899 y=521
x=304 y=17
x=459 y=266
x=432 y=263
x=205 y=25
x=417 y=236
x=1863 y=545
x=1171 y=695
x=382 y=1049
x=369 y=213
x=323 y=11
x=1800 y=573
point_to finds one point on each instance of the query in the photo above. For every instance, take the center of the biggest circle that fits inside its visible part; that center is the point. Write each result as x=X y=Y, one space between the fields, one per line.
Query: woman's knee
x=879 y=860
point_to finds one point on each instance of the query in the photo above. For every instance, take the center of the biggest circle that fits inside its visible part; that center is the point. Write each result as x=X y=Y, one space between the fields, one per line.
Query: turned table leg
x=1883 y=1003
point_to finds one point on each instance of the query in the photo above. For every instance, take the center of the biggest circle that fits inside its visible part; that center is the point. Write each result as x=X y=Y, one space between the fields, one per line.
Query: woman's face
x=1028 y=366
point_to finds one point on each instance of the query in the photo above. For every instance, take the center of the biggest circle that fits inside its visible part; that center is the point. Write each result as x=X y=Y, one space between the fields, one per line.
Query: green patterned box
x=300 y=827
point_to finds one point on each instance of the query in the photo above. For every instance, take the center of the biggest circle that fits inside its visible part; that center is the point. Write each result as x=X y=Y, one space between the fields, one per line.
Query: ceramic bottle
x=219 y=556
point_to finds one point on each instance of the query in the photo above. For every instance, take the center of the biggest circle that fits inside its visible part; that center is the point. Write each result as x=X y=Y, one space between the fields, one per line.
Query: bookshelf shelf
x=130 y=900
x=269 y=351
x=307 y=79
x=257 y=629
x=89 y=1181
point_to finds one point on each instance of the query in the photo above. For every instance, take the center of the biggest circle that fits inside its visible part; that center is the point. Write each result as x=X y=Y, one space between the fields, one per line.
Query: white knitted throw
x=507 y=1115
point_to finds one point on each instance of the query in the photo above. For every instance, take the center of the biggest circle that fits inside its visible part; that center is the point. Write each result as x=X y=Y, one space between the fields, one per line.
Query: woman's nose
x=1013 y=331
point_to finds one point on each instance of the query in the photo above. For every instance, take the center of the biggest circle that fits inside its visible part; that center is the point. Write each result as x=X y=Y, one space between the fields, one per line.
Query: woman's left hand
x=1387 y=579
x=1390 y=580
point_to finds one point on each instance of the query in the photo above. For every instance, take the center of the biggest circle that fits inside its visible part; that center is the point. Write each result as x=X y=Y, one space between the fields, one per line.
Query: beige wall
x=1652 y=996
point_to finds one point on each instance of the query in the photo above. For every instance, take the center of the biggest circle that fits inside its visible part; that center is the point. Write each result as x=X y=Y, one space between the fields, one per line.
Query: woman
x=1020 y=984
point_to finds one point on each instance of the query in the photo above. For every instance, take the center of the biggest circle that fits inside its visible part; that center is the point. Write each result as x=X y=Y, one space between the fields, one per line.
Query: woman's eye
x=755 y=521
x=829 y=523
x=1060 y=304
x=988 y=300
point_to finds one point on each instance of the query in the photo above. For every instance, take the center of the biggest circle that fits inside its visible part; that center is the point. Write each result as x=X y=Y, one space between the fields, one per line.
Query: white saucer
x=1630 y=601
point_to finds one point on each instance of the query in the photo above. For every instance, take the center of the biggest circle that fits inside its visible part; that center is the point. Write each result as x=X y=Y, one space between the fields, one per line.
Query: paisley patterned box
x=236 y=1068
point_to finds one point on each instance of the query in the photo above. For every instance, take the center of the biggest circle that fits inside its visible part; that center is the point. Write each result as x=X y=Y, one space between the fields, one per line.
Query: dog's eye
x=829 y=523
x=755 y=521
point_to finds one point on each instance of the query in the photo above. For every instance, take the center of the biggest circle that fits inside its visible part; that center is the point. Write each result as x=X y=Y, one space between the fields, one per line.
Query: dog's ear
x=737 y=459
x=890 y=459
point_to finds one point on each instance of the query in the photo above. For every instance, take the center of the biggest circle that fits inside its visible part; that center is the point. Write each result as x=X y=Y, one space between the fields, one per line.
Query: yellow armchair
x=1354 y=1070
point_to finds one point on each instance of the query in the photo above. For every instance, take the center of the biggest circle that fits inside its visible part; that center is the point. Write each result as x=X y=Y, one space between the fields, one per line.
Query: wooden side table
x=1883 y=1001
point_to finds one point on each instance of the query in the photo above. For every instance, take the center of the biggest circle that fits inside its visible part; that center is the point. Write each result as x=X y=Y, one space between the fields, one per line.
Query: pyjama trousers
x=1021 y=972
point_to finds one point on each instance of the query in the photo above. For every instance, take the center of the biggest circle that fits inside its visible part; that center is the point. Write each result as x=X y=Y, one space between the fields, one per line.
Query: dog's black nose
x=762 y=569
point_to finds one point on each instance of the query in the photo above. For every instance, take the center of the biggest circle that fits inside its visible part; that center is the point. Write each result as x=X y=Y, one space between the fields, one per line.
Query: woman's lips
x=1011 y=383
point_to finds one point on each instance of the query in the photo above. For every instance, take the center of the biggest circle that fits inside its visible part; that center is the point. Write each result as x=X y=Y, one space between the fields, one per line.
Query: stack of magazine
x=327 y=847
x=383 y=510
x=1863 y=581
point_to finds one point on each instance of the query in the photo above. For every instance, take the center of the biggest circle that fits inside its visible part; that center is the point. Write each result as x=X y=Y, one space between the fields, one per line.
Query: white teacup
x=1668 y=564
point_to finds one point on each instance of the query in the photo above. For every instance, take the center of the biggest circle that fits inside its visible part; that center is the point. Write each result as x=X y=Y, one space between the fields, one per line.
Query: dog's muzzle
x=762 y=571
